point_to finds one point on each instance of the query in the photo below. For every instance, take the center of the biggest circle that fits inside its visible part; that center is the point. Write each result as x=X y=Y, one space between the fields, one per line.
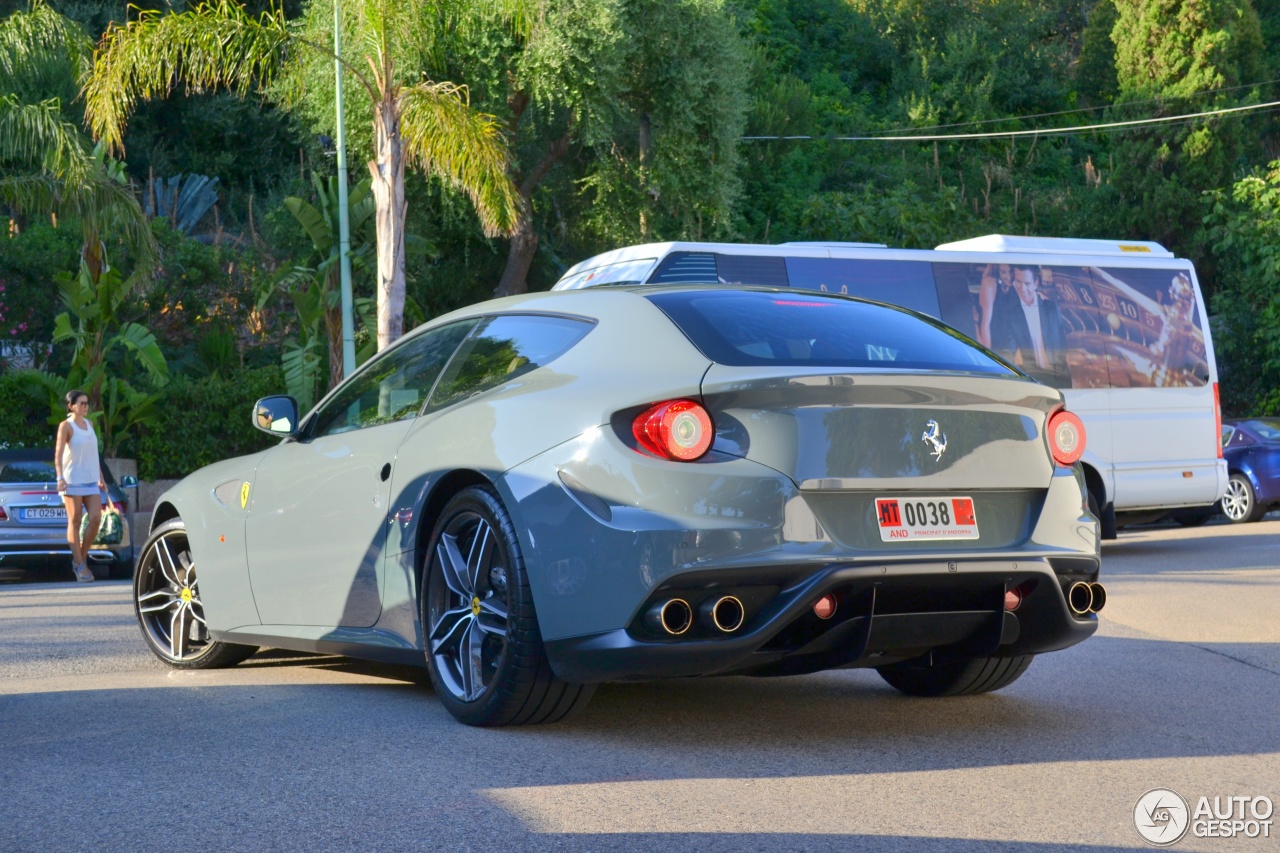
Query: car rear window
x=744 y=328
x=28 y=472
x=1268 y=429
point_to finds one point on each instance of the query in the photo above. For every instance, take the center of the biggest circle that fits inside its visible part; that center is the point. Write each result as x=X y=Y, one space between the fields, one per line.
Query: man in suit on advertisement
x=1030 y=333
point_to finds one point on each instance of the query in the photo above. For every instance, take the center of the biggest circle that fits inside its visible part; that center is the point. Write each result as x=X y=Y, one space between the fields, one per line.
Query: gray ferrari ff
x=537 y=494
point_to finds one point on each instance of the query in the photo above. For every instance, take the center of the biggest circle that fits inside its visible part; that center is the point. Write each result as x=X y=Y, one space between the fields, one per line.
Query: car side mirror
x=128 y=481
x=276 y=415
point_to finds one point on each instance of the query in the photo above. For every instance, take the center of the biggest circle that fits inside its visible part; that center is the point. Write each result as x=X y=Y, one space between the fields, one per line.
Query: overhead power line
x=1009 y=134
x=1160 y=100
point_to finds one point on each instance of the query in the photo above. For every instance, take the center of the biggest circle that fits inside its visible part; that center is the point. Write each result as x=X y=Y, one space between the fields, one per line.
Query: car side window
x=504 y=348
x=394 y=385
x=1227 y=433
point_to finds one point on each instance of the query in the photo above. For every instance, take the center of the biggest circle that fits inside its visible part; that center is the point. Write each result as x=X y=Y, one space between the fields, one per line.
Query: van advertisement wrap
x=1081 y=327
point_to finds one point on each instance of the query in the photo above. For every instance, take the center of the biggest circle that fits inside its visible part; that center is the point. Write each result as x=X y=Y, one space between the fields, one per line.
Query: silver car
x=537 y=494
x=33 y=520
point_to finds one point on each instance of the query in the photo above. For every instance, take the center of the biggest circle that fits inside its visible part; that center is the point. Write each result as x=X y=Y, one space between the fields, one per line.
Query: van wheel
x=1240 y=504
x=963 y=677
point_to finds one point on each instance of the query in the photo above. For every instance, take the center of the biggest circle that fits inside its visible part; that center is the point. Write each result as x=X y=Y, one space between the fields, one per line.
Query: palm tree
x=47 y=166
x=426 y=123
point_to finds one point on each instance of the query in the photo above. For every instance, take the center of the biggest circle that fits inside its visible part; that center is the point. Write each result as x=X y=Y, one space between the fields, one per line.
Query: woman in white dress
x=80 y=482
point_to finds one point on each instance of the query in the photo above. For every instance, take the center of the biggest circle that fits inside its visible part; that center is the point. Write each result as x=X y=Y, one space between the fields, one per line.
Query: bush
x=24 y=412
x=201 y=421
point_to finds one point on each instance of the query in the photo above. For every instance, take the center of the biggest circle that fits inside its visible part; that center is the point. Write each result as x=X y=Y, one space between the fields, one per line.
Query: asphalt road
x=103 y=748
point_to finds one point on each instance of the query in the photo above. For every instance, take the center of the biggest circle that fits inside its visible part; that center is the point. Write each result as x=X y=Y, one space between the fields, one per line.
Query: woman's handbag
x=111 y=530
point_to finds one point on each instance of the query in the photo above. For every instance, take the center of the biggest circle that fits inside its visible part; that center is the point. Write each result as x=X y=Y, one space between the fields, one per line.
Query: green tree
x=1244 y=229
x=625 y=117
x=422 y=122
x=320 y=222
x=669 y=169
x=1096 y=70
x=94 y=323
x=47 y=168
x=558 y=89
x=1169 y=50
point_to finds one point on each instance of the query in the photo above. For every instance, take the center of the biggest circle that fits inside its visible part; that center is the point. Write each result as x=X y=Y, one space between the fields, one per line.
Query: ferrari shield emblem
x=244 y=495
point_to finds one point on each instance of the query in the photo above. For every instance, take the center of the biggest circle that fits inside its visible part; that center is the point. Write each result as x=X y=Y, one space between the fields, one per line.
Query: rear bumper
x=885 y=613
x=33 y=555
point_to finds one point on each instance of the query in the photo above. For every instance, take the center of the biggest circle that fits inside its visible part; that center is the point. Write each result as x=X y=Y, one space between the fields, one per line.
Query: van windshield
x=744 y=328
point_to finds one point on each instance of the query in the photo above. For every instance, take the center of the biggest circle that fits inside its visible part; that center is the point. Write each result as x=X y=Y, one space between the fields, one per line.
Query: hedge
x=204 y=420
x=24 y=412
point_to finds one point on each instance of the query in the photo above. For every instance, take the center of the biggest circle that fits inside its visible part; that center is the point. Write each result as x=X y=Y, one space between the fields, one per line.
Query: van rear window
x=744 y=328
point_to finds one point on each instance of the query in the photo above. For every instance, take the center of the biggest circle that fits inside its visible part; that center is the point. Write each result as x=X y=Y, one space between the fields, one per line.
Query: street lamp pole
x=344 y=223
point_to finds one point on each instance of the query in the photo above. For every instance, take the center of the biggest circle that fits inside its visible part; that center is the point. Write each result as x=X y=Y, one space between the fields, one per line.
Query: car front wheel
x=963 y=677
x=1240 y=504
x=483 y=647
x=166 y=600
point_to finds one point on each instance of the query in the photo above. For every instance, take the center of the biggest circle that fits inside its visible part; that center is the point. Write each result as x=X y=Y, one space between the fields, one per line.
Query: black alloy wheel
x=166 y=600
x=963 y=677
x=479 y=625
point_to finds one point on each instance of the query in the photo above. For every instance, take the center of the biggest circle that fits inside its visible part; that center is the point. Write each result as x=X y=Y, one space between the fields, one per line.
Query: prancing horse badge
x=933 y=437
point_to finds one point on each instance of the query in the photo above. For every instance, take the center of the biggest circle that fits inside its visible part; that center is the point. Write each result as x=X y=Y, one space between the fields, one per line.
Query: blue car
x=1252 y=450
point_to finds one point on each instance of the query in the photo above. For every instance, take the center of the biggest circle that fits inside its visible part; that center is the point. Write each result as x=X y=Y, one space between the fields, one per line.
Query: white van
x=1119 y=326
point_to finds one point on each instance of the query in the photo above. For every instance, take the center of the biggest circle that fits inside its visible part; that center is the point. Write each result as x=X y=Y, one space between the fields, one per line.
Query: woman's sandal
x=83 y=573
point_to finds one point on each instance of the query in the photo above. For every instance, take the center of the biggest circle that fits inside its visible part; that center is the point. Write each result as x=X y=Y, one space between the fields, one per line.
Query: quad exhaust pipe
x=1084 y=598
x=674 y=616
x=725 y=613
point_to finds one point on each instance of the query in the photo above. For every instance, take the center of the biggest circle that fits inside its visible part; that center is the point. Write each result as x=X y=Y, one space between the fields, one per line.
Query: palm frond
x=520 y=15
x=95 y=198
x=443 y=135
x=214 y=45
x=40 y=37
x=37 y=134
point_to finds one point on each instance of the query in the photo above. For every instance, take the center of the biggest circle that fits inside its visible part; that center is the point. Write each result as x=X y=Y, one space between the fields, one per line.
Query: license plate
x=903 y=519
x=44 y=513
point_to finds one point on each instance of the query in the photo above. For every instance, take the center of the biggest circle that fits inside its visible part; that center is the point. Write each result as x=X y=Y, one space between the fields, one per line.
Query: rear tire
x=483 y=647
x=1240 y=503
x=166 y=602
x=964 y=677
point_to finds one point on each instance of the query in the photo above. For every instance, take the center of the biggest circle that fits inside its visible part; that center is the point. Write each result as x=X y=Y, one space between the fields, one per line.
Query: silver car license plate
x=44 y=513
x=904 y=519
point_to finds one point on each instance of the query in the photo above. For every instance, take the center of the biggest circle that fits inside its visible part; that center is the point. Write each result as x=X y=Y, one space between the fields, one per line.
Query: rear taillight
x=4 y=516
x=677 y=429
x=1217 y=420
x=1066 y=437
